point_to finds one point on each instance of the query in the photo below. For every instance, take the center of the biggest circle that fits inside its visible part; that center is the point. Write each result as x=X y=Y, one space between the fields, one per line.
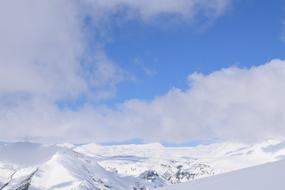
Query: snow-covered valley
x=34 y=166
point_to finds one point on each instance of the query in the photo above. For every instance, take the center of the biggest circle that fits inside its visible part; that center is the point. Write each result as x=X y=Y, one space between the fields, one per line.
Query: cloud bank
x=230 y=104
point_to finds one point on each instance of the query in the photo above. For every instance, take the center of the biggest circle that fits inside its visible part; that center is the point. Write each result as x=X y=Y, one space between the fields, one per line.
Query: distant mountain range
x=32 y=166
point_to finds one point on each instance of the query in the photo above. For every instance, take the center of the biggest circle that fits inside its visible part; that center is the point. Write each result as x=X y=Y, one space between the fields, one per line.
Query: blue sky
x=248 y=34
x=166 y=71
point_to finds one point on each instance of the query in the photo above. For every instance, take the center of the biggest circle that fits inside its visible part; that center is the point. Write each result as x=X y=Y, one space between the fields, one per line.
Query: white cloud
x=235 y=104
x=229 y=104
x=40 y=47
x=42 y=44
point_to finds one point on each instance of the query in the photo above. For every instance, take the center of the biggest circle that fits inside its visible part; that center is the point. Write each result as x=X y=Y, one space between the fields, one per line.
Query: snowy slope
x=264 y=177
x=70 y=170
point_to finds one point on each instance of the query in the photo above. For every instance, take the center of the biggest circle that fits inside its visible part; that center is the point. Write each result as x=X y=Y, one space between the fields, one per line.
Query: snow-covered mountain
x=264 y=177
x=34 y=166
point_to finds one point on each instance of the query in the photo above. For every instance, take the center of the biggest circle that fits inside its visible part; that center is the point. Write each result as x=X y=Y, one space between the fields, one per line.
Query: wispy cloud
x=148 y=10
x=145 y=69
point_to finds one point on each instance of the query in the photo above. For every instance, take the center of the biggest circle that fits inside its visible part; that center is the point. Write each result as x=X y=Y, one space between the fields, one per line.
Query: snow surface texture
x=265 y=177
x=34 y=166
